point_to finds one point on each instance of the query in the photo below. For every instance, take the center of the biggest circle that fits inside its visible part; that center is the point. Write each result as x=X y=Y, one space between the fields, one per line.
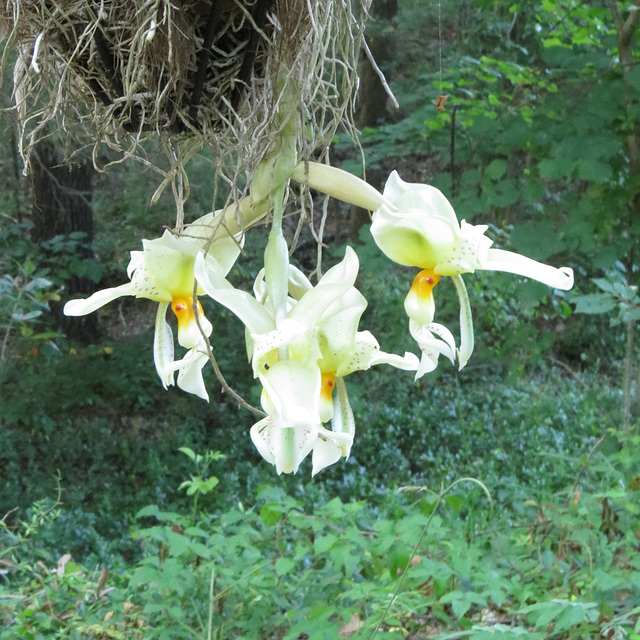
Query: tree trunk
x=372 y=97
x=625 y=31
x=61 y=206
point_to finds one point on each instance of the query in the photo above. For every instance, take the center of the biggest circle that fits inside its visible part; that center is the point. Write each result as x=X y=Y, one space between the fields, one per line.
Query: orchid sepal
x=163 y=346
x=509 y=262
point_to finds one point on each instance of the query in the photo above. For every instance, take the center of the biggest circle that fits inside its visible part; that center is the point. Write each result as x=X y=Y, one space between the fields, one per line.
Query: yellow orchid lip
x=419 y=303
x=189 y=334
x=328 y=383
x=423 y=284
x=182 y=307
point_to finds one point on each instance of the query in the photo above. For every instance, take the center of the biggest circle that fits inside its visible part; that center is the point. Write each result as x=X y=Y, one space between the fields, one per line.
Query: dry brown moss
x=193 y=72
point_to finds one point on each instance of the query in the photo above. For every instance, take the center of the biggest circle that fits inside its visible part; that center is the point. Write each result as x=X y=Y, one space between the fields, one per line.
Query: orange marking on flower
x=328 y=383
x=182 y=306
x=424 y=282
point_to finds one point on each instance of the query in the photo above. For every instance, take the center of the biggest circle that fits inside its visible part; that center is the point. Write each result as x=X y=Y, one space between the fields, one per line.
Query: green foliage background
x=535 y=143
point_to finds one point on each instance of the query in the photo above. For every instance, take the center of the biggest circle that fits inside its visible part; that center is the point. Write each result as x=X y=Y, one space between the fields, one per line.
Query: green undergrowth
x=115 y=456
x=425 y=563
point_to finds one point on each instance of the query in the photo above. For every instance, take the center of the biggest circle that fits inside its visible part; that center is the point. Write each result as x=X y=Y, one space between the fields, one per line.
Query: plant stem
x=626 y=383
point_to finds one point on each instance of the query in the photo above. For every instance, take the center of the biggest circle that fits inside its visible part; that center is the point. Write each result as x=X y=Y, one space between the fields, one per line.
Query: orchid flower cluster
x=303 y=340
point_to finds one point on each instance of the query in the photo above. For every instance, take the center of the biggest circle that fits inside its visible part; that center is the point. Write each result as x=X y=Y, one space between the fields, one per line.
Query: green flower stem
x=340 y=184
x=276 y=260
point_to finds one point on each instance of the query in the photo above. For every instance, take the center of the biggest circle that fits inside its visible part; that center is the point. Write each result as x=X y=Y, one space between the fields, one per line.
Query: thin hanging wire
x=440 y=38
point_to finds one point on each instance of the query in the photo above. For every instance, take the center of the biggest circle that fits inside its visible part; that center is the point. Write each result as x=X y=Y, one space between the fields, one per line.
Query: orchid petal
x=411 y=239
x=325 y=453
x=499 y=260
x=97 y=300
x=226 y=250
x=413 y=195
x=360 y=358
x=343 y=422
x=408 y=362
x=254 y=316
x=284 y=447
x=335 y=283
x=468 y=253
x=261 y=438
x=434 y=340
x=337 y=331
x=466 y=323
x=299 y=284
x=163 y=346
x=287 y=331
x=189 y=334
x=315 y=302
x=190 y=373
x=446 y=337
x=137 y=259
x=366 y=354
x=332 y=445
x=292 y=392
x=168 y=265
x=345 y=271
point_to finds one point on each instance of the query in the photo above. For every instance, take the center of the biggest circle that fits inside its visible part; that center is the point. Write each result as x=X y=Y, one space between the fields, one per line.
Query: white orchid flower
x=163 y=272
x=415 y=225
x=293 y=427
x=320 y=338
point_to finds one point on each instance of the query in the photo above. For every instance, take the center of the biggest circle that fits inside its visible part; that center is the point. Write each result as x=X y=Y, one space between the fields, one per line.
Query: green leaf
x=143 y=575
x=188 y=452
x=555 y=169
x=496 y=169
x=455 y=502
x=594 y=170
x=284 y=565
x=149 y=510
x=537 y=240
x=323 y=543
x=547 y=611
x=595 y=303
x=574 y=614
x=270 y=514
x=201 y=550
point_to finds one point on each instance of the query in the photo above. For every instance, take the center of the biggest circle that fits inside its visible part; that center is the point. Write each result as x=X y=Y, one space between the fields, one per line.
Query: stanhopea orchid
x=163 y=272
x=416 y=226
x=302 y=358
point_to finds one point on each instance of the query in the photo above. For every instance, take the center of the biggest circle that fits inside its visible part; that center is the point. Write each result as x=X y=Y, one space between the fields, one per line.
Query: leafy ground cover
x=422 y=564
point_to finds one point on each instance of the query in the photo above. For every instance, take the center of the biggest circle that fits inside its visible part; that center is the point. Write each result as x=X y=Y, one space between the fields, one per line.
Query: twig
x=214 y=363
x=584 y=464
x=376 y=68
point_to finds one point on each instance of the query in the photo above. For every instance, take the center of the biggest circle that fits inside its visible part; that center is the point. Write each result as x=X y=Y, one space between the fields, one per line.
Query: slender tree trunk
x=372 y=97
x=625 y=31
x=61 y=206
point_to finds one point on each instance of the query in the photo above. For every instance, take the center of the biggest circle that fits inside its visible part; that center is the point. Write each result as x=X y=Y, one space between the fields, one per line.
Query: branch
x=624 y=28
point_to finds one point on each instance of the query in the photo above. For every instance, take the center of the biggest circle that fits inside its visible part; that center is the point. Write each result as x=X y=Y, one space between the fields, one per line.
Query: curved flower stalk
x=163 y=272
x=417 y=226
x=302 y=359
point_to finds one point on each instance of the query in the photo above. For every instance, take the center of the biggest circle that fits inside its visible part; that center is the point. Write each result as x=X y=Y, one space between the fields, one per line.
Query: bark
x=372 y=97
x=625 y=31
x=61 y=206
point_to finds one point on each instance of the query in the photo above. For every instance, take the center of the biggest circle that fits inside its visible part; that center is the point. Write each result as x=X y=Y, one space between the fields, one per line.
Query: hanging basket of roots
x=117 y=71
